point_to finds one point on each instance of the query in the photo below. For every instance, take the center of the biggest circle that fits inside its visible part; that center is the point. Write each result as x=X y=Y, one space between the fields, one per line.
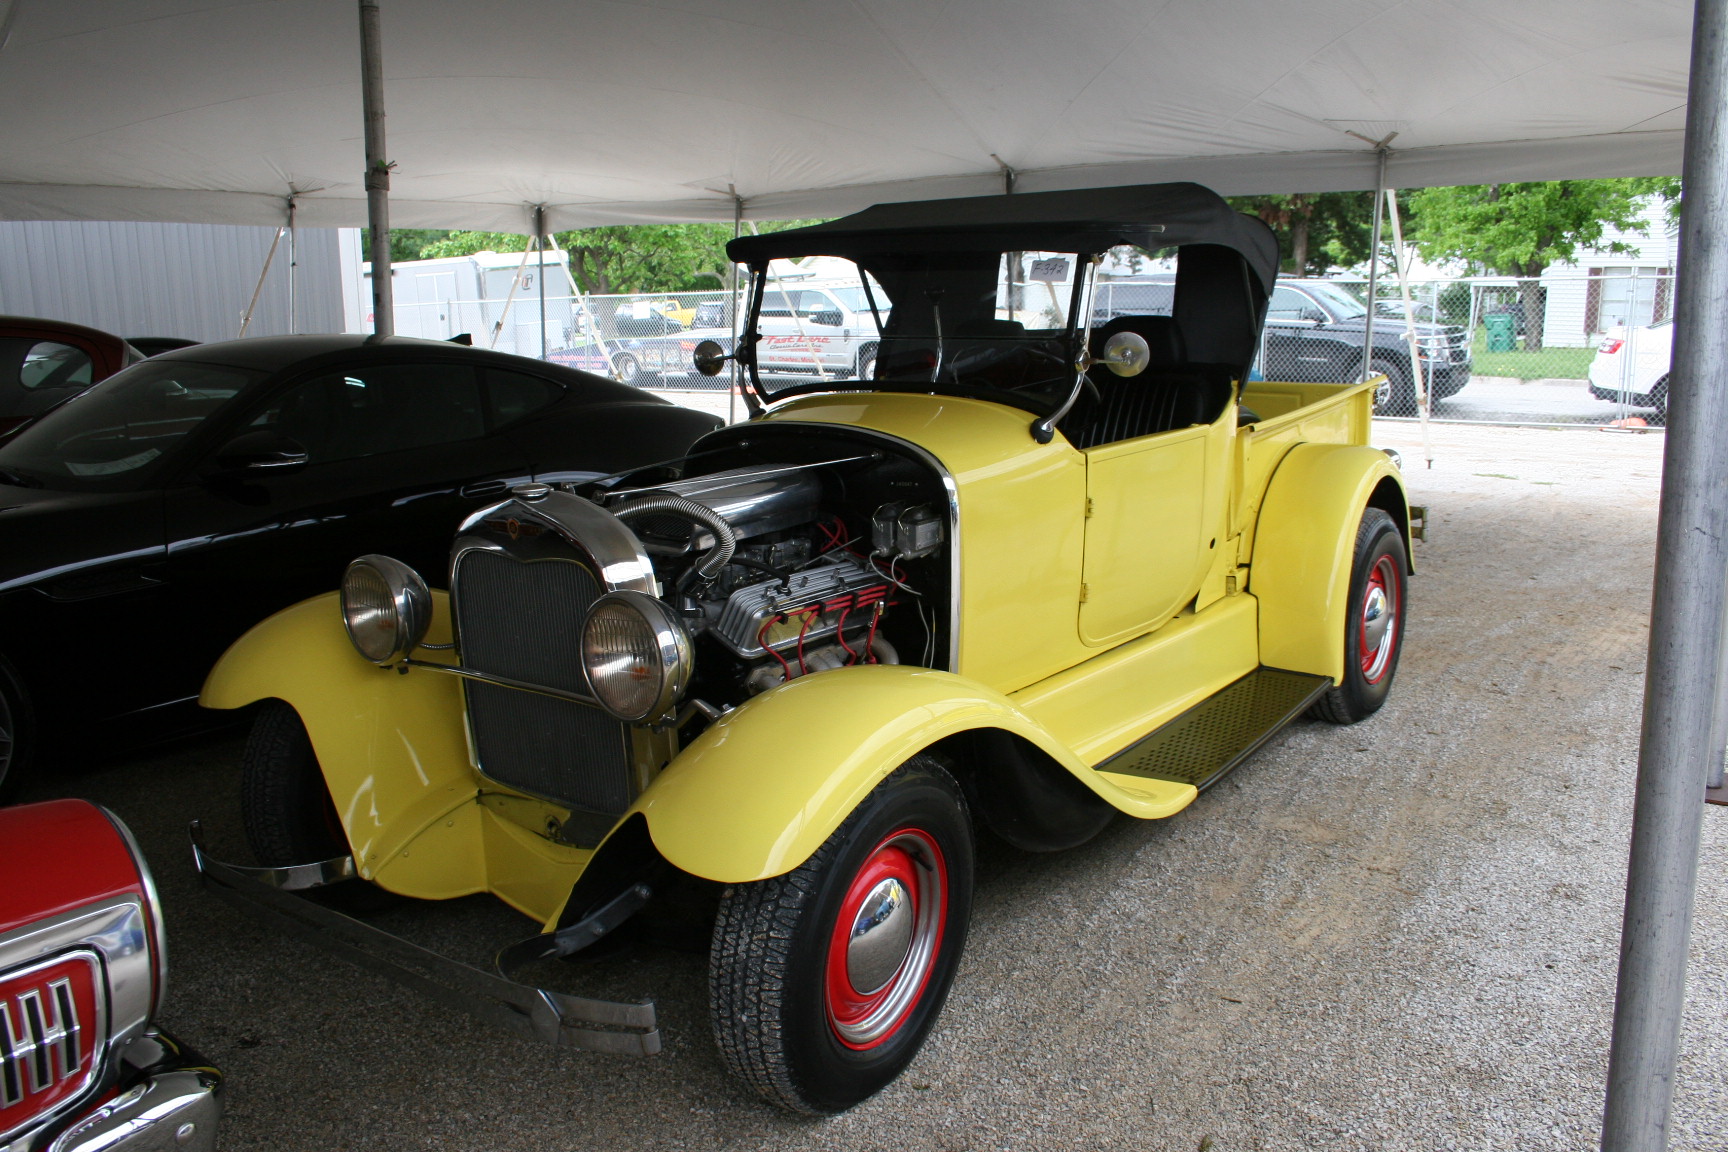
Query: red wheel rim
x=1381 y=616
x=886 y=939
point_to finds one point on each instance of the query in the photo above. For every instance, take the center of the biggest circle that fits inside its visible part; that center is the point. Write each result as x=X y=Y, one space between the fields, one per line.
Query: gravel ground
x=1400 y=935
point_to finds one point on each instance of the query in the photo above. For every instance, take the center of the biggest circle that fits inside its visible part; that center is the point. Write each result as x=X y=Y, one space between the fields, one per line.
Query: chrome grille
x=522 y=619
x=52 y=1025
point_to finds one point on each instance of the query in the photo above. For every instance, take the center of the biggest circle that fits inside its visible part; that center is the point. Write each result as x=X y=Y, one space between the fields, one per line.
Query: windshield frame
x=1075 y=330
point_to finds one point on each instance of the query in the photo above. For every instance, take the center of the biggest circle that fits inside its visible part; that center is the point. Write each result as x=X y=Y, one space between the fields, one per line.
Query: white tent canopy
x=609 y=111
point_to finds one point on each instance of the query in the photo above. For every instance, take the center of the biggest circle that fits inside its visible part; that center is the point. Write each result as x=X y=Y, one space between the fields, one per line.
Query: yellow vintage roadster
x=1048 y=564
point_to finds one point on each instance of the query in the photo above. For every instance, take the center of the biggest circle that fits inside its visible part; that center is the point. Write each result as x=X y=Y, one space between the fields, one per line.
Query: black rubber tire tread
x=286 y=811
x=755 y=932
x=283 y=798
x=1347 y=703
x=15 y=759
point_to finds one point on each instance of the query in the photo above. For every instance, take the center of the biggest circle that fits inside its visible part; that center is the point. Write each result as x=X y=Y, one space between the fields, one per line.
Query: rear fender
x=758 y=792
x=1305 y=543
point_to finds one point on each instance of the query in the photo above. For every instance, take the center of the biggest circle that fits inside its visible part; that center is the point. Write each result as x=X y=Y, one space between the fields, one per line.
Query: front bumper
x=170 y=1101
x=554 y=1017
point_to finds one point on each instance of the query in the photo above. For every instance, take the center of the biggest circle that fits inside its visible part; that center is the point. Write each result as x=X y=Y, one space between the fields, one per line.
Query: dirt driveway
x=1398 y=936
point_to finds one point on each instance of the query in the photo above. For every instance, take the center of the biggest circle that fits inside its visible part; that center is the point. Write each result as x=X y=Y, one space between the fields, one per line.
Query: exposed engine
x=780 y=571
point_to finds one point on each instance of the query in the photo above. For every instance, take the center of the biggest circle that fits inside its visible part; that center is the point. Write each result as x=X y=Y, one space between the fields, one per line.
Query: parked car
x=44 y=362
x=712 y=314
x=176 y=504
x=651 y=316
x=1018 y=578
x=643 y=361
x=1631 y=367
x=1317 y=330
x=826 y=329
x=82 y=1064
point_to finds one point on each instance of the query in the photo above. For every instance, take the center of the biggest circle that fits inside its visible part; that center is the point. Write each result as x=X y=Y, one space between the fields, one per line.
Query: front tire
x=1401 y=393
x=1374 y=629
x=625 y=365
x=286 y=810
x=17 y=734
x=825 y=981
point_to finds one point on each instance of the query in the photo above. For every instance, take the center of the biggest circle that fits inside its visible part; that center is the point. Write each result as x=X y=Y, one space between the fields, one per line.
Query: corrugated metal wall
x=187 y=280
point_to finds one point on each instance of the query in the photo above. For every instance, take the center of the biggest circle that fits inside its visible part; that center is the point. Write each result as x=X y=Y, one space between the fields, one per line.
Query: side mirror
x=828 y=318
x=1314 y=314
x=261 y=451
x=709 y=357
x=1126 y=354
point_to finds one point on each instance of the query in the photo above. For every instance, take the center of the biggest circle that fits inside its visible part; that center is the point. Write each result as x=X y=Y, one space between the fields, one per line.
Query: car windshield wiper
x=17 y=480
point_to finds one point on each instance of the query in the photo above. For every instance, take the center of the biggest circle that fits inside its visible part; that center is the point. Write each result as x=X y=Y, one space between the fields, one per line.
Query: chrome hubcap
x=1378 y=638
x=881 y=937
x=886 y=939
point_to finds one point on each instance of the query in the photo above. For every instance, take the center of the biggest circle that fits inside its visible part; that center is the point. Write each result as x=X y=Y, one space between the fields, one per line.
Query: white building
x=1599 y=290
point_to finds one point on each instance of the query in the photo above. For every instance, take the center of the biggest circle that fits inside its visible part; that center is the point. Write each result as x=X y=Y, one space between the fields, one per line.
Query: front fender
x=392 y=748
x=1304 y=545
x=765 y=785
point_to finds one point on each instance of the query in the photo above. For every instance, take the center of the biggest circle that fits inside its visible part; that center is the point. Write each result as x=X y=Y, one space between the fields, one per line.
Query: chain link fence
x=645 y=339
x=1580 y=347
x=1567 y=348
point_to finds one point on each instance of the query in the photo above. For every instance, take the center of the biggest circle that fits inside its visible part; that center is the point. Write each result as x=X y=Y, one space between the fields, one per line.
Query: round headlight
x=385 y=607
x=636 y=654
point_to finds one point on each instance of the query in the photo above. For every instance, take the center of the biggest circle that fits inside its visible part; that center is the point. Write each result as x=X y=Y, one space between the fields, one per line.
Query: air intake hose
x=725 y=540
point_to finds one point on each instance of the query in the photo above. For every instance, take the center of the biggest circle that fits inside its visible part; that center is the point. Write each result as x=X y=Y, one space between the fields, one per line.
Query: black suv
x=1316 y=330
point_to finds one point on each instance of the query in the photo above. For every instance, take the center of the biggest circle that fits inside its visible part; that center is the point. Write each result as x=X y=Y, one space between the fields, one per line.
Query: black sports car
x=147 y=523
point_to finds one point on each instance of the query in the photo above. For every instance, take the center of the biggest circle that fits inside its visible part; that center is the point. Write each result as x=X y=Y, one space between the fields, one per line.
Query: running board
x=1207 y=741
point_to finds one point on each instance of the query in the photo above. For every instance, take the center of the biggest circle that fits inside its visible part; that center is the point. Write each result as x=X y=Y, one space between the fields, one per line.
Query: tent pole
x=1380 y=154
x=540 y=246
x=258 y=290
x=1418 y=375
x=732 y=307
x=377 y=170
x=293 y=259
x=1685 y=632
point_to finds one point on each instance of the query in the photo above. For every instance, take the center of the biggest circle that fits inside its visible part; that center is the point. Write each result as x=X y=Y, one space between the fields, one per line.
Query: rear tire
x=1374 y=628
x=825 y=981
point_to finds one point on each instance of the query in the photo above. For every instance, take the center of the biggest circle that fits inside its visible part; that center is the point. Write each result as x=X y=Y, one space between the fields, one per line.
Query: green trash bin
x=1502 y=331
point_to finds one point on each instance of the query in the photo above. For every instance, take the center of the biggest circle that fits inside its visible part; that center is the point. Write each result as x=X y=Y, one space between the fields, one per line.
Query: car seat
x=1170 y=393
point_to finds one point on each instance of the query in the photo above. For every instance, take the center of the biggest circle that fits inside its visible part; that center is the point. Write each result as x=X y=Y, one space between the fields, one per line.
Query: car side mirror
x=1314 y=314
x=709 y=357
x=263 y=450
x=827 y=317
x=1126 y=354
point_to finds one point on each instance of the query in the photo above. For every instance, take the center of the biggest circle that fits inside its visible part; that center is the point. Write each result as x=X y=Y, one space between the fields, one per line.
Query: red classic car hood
x=60 y=855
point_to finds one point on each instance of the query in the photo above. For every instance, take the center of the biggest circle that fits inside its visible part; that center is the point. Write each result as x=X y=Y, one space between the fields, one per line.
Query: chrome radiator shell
x=523 y=576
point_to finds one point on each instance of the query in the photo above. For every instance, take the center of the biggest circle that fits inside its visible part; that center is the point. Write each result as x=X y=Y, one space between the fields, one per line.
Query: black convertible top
x=1083 y=220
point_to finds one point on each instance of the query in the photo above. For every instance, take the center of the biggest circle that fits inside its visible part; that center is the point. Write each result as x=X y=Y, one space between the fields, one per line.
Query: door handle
x=483 y=488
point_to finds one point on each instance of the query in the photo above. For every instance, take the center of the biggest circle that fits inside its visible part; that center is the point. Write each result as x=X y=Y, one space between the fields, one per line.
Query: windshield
x=118 y=431
x=977 y=322
x=1343 y=305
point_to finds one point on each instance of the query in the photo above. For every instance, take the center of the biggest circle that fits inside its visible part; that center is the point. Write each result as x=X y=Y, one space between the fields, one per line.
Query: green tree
x=407 y=243
x=1520 y=229
x=1315 y=230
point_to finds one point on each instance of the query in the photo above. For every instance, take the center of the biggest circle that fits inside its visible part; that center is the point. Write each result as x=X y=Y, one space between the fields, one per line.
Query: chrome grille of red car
x=53 y=1024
